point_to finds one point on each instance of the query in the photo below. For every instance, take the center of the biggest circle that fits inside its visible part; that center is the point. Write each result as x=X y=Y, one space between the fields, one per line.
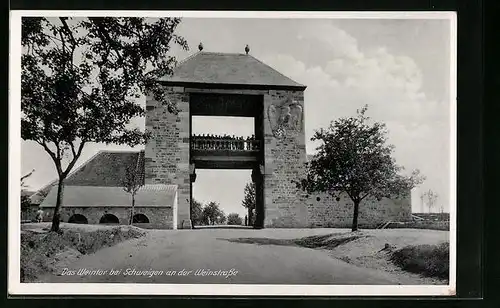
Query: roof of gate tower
x=212 y=68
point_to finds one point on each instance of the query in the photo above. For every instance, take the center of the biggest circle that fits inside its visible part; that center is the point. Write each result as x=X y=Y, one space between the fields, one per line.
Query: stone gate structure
x=231 y=85
x=222 y=84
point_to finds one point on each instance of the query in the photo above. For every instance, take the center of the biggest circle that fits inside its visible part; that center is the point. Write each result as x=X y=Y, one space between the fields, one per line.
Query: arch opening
x=78 y=219
x=109 y=219
x=140 y=219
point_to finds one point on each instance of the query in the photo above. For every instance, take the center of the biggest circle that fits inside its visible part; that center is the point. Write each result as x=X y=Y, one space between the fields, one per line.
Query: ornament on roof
x=247 y=49
x=200 y=46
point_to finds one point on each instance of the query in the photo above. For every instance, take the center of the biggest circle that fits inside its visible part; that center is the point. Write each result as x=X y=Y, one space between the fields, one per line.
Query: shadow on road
x=328 y=241
x=224 y=227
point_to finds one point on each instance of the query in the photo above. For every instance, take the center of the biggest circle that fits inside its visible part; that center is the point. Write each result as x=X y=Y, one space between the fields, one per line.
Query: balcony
x=231 y=145
x=219 y=153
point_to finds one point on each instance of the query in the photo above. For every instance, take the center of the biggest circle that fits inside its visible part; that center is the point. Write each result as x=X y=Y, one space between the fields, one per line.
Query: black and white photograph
x=231 y=153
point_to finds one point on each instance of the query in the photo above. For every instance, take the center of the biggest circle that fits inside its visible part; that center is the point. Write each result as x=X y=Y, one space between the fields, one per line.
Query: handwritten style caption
x=226 y=273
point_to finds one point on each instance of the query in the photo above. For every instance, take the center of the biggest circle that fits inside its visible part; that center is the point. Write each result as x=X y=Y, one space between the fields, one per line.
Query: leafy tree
x=196 y=212
x=212 y=214
x=353 y=158
x=249 y=201
x=221 y=218
x=131 y=184
x=234 y=219
x=25 y=203
x=81 y=78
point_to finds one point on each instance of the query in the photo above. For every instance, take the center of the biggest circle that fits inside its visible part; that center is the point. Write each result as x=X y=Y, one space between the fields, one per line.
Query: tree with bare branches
x=430 y=198
x=25 y=200
x=131 y=185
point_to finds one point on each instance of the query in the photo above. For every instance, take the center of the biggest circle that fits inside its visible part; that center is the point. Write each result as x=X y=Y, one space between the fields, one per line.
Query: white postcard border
x=15 y=287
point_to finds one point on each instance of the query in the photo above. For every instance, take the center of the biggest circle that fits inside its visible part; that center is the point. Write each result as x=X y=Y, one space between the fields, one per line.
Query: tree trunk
x=250 y=216
x=355 y=216
x=56 y=219
x=132 y=211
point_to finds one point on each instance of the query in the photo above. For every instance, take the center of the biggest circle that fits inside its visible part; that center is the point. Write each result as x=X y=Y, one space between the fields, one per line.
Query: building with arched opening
x=94 y=194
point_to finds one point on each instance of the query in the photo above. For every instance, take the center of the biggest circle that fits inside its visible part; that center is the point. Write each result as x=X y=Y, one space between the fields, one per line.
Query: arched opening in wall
x=140 y=219
x=225 y=148
x=78 y=219
x=221 y=198
x=109 y=219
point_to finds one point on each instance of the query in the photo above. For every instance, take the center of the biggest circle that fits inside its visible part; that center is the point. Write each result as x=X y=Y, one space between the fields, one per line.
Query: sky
x=400 y=68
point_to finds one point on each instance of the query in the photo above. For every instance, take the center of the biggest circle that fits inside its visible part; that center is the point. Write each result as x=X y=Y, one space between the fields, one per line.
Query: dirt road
x=206 y=256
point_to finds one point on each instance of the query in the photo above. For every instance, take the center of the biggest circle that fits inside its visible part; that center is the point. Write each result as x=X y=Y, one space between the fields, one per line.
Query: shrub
x=234 y=219
x=39 y=250
x=428 y=260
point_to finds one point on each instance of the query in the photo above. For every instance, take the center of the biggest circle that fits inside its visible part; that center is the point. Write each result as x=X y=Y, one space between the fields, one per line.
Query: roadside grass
x=367 y=250
x=44 y=252
x=428 y=260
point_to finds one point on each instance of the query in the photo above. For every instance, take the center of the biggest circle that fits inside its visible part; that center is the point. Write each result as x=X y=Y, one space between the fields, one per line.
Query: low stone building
x=94 y=194
x=155 y=205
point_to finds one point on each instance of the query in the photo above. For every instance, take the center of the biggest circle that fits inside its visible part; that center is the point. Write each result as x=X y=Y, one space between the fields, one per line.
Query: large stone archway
x=280 y=141
x=235 y=85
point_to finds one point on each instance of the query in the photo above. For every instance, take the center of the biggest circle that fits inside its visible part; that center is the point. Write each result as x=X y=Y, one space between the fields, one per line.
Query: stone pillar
x=257 y=179
x=285 y=156
x=192 y=172
x=167 y=152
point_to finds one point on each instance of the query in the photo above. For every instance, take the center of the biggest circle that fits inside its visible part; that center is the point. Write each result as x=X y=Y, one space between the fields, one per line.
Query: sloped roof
x=26 y=192
x=155 y=195
x=106 y=168
x=228 y=69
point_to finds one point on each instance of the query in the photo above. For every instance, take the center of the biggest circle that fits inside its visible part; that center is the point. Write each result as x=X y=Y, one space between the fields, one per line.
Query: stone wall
x=284 y=156
x=325 y=211
x=159 y=217
x=167 y=152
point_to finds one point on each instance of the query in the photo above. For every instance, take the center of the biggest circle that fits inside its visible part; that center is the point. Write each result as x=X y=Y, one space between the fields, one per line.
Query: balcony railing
x=224 y=144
